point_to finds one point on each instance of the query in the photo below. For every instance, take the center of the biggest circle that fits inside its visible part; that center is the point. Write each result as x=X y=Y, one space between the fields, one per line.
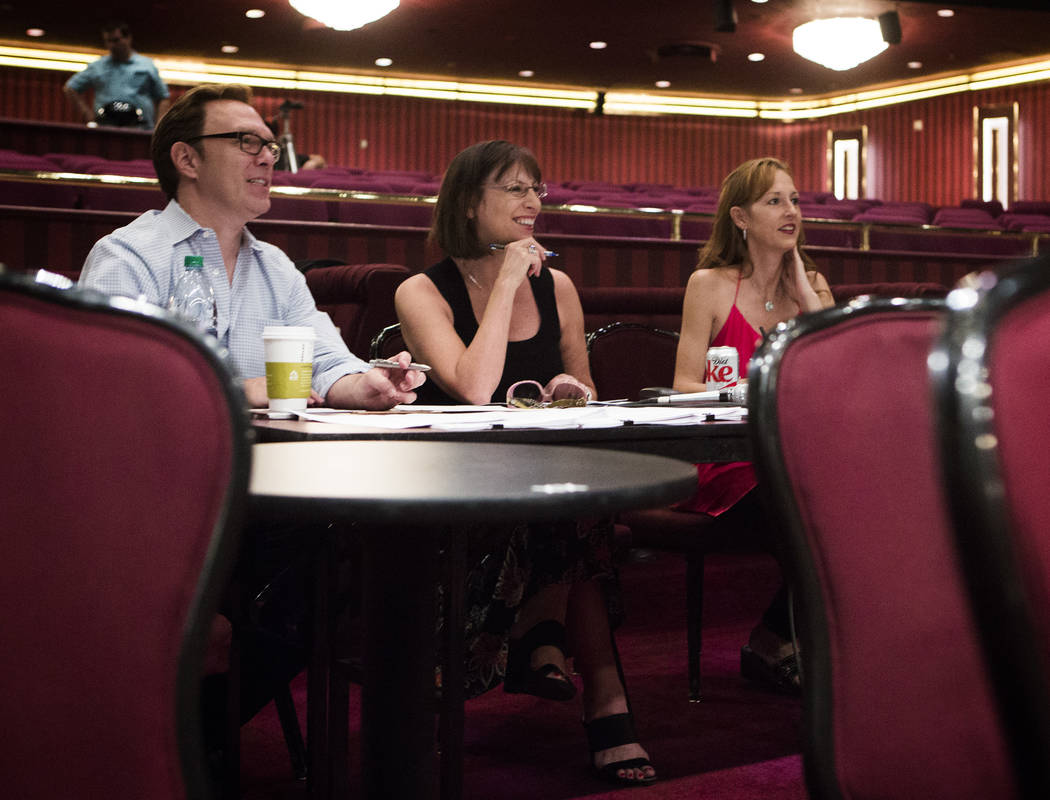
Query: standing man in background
x=126 y=84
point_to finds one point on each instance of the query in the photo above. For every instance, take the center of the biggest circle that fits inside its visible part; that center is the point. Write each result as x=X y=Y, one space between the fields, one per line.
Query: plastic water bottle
x=193 y=299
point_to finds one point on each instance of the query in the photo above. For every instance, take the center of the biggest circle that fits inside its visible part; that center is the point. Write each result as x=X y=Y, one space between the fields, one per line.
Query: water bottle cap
x=193 y=262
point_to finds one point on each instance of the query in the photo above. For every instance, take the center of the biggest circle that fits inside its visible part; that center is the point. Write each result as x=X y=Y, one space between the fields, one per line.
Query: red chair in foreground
x=126 y=459
x=897 y=701
x=991 y=371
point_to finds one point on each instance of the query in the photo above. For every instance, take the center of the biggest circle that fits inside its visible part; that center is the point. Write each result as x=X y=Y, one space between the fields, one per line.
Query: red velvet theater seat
x=125 y=471
x=358 y=297
x=991 y=373
x=897 y=701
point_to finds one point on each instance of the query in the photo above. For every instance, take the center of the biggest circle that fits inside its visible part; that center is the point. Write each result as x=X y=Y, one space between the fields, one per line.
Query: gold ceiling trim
x=187 y=72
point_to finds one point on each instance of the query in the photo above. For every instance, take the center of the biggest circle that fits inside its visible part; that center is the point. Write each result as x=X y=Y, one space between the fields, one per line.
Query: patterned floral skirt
x=507 y=567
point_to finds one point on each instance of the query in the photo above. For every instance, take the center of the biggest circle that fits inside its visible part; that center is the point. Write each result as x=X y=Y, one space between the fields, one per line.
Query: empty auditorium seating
x=993 y=207
x=1030 y=207
x=973 y=218
x=631 y=210
x=1024 y=221
x=75 y=162
x=893 y=215
x=135 y=168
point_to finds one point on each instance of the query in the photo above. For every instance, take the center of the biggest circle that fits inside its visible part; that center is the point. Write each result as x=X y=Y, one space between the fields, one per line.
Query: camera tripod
x=286 y=139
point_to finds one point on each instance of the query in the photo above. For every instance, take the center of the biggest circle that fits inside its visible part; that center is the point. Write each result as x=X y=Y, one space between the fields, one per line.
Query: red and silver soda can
x=723 y=368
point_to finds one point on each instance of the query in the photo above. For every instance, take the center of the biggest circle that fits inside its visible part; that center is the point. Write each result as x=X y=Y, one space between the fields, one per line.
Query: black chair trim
x=777 y=495
x=377 y=341
x=959 y=366
x=612 y=327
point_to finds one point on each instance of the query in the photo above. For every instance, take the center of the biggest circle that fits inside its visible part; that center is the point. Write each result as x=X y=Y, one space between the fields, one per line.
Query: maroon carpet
x=741 y=743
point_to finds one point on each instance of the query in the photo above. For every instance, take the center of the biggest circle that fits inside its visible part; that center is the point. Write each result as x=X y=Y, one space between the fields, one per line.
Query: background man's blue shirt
x=135 y=81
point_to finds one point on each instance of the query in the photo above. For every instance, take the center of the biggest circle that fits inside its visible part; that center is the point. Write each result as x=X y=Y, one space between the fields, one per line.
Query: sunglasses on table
x=529 y=394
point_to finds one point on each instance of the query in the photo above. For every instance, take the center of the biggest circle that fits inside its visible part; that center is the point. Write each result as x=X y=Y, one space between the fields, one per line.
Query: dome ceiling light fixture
x=839 y=43
x=344 y=16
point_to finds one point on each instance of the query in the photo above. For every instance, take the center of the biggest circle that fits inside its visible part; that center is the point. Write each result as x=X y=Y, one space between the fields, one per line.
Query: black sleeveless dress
x=537 y=359
x=510 y=564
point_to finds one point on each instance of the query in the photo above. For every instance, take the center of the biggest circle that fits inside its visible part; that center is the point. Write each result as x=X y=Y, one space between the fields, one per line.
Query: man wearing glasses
x=214 y=157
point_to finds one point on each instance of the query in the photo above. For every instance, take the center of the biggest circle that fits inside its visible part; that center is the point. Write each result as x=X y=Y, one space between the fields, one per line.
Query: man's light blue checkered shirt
x=146 y=257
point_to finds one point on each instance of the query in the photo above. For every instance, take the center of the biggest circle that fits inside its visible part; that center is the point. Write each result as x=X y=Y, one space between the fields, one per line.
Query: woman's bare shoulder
x=417 y=292
x=415 y=285
x=713 y=279
x=560 y=277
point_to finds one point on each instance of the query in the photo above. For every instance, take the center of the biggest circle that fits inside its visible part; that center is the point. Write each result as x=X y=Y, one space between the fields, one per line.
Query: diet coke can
x=723 y=368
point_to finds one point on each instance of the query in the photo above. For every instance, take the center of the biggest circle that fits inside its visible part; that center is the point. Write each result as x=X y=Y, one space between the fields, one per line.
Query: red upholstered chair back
x=991 y=371
x=897 y=702
x=124 y=470
x=625 y=358
x=358 y=297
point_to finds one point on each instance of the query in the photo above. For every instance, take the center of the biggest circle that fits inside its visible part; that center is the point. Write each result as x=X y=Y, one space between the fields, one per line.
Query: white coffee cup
x=289 y=354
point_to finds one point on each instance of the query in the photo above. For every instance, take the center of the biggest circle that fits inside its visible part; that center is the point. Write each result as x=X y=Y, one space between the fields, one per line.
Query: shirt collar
x=182 y=226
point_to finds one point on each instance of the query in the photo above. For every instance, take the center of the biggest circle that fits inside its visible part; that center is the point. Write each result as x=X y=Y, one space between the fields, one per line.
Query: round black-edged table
x=408 y=497
x=715 y=440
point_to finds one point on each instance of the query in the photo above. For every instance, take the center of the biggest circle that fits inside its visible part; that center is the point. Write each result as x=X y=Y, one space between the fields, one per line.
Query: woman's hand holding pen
x=521 y=259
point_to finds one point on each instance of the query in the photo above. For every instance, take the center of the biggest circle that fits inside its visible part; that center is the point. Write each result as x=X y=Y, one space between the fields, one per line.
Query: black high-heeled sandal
x=614 y=731
x=548 y=680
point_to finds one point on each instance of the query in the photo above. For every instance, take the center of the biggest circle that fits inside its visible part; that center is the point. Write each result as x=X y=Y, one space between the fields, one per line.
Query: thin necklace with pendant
x=472 y=279
x=769 y=301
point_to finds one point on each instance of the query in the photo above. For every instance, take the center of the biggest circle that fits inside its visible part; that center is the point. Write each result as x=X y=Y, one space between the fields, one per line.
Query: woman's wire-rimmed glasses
x=520 y=190
x=250 y=143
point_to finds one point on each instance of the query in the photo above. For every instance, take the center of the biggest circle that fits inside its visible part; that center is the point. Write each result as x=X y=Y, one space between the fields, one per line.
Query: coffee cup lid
x=288 y=332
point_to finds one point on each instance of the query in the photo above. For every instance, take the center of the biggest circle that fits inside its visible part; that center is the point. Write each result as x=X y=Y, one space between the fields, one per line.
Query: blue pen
x=497 y=246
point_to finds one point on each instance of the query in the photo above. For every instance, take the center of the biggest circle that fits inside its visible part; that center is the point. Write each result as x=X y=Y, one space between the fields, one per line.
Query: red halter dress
x=722 y=485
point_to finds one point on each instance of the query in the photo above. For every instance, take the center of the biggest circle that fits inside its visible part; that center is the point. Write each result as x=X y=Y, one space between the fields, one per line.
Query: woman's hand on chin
x=522 y=258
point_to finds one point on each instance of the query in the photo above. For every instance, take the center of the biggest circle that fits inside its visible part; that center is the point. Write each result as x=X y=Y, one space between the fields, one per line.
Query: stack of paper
x=475 y=418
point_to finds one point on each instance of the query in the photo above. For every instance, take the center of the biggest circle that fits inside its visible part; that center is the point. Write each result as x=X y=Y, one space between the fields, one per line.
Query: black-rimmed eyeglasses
x=520 y=190
x=250 y=143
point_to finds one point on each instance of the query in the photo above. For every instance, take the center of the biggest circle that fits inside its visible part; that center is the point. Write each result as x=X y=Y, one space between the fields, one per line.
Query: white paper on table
x=472 y=418
x=549 y=418
x=673 y=415
x=366 y=419
x=452 y=409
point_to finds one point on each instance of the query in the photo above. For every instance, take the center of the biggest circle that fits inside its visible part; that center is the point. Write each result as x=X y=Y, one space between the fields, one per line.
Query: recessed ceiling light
x=945 y=12
x=384 y=61
x=759 y=1
x=756 y=56
x=35 y=32
x=255 y=13
x=229 y=48
x=598 y=45
x=914 y=65
x=526 y=73
x=662 y=84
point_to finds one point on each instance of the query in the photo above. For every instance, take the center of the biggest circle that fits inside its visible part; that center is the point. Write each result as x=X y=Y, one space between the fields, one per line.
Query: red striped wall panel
x=933 y=164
